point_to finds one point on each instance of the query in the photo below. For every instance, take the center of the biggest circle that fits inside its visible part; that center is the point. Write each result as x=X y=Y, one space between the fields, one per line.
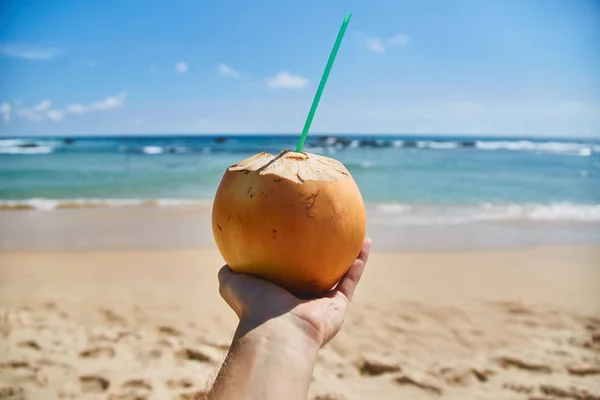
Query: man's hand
x=274 y=350
x=257 y=301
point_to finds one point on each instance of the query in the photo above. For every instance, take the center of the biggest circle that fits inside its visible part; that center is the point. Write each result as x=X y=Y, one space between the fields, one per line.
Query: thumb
x=228 y=289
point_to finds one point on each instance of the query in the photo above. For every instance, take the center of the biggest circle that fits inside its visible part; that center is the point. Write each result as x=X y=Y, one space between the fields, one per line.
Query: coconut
x=296 y=219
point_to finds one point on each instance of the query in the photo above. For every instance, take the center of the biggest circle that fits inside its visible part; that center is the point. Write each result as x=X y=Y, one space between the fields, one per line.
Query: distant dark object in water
x=333 y=141
x=468 y=144
x=410 y=144
x=374 y=143
x=68 y=141
x=221 y=140
x=28 y=145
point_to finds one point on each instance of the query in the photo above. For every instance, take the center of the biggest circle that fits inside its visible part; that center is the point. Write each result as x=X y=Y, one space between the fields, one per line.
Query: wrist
x=285 y=334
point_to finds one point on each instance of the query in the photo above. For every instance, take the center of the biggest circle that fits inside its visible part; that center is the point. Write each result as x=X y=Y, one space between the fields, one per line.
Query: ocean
x=409 y=180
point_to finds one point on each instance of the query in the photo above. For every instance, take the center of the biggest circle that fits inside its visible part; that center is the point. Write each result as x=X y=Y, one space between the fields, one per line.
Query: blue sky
x=497 y=67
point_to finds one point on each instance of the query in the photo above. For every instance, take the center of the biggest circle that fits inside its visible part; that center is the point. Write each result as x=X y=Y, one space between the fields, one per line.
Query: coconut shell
x=296 y=219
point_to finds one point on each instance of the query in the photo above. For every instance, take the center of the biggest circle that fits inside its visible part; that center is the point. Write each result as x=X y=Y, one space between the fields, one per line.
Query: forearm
x=274 y=360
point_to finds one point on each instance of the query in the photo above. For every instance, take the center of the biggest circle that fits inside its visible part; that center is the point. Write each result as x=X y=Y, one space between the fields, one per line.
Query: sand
x=123 y=324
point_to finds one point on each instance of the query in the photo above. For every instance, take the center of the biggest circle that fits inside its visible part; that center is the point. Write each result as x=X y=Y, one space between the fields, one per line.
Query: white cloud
x=228 y=71
x=181 y=67
x=56 y=115
x=42 y=106
x=101 y=105
x=285 y=80
x=376 y=45
x=29 y=53
x=5 y=111
x=109 y=102
x=42 y=110
x=380 y=45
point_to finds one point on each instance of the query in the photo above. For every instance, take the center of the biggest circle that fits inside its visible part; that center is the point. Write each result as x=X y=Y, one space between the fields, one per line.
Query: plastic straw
x=315 y=103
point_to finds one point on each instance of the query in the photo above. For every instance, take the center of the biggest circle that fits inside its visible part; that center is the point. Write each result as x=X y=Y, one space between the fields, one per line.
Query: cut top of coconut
x=296 y=167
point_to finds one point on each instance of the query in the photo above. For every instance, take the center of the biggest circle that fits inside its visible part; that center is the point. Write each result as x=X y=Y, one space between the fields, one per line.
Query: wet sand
x=183 y=227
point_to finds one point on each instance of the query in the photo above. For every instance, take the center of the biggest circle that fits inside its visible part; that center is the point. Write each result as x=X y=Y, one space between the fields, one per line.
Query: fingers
x=349 y=281
x=227 y=289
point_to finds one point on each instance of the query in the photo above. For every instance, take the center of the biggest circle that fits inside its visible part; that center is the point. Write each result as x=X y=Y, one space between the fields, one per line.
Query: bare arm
x=274 y=349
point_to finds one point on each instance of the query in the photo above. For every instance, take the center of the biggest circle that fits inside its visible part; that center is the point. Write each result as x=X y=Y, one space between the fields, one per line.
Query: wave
x=582 y=149
x=152 y=150
x=26 y=150
x=27 y=146
x=62 y=204
x=557 y=147
x=386 y=213
x=406 y=214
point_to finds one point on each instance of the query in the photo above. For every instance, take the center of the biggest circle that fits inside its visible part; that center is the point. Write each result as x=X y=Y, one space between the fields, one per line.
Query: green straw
x=315 y=103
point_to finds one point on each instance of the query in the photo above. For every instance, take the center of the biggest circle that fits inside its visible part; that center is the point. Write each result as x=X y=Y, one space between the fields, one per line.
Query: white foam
x=12 y=142
x=575 y=148
x=330 y=141
x=26 y=150
x=42 y=204
x=403 y=214
x=152 y=150
x=439 y=145
x=394 y=208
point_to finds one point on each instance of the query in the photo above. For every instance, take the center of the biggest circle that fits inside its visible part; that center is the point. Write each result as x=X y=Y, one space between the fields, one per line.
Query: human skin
x=275 y=346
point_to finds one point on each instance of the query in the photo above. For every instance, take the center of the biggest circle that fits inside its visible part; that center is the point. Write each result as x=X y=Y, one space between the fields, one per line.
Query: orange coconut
x=296 y=219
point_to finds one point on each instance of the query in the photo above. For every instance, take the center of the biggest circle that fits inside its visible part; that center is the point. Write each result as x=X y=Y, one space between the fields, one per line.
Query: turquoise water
x=446 y=176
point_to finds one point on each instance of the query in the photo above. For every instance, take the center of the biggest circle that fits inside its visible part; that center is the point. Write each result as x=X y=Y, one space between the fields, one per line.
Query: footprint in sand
x=169 y=330
x=515 y=308
x=93 y=384
x=583 y=369
x=329 y=396
x=12 y=393
x=373 y=365
x=200 y=355
x=112 y=318
x=420 y=381
x=569 y=392
x=98 y=352
x=13 y=365
x=29 y=344
x=135 y=389
x=192 y=396
x=464 y=376
x=175 y=384
x=514 y=362
x=137 y=384
x=518 y=388
x=50 y=305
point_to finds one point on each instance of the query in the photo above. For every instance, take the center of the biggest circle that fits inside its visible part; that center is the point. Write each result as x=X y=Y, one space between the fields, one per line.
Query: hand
x=257 y=302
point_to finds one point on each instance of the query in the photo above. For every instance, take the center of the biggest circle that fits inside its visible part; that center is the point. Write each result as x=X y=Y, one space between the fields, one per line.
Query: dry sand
x=519 y=324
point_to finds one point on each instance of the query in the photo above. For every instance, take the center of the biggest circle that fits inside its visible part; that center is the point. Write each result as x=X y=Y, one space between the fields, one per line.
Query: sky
x=496 y=67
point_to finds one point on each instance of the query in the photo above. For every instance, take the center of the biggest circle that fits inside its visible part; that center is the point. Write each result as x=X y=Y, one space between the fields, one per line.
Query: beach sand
x=135 y=324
